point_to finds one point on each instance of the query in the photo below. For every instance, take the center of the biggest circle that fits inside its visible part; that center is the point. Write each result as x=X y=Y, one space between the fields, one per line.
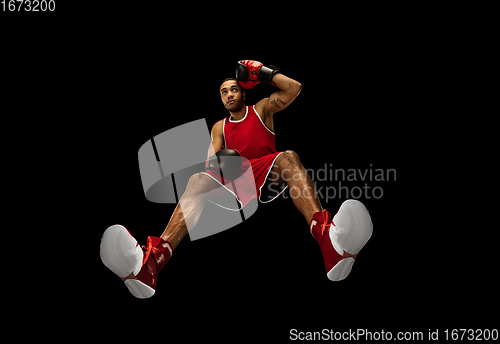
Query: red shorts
x=250 y=184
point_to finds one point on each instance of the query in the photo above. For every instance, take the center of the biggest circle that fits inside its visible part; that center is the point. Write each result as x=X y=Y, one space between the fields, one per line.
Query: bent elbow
x=297 y=87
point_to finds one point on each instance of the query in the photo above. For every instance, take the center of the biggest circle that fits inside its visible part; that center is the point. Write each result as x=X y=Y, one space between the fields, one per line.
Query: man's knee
x=292 y=157
x=288 y=163
x=198 y=184
x=199 y=179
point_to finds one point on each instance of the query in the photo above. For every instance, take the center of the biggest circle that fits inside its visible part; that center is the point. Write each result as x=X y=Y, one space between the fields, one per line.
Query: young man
x=250 y=131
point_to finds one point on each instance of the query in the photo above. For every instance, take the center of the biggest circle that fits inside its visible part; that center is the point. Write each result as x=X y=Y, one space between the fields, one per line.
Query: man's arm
x=279 y=100
x=217 y=139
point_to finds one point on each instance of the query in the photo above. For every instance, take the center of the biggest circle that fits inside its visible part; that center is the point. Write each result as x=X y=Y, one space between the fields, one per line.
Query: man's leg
x=188 y=210
x=352 y=227
x=289 y=168
x=139 y=270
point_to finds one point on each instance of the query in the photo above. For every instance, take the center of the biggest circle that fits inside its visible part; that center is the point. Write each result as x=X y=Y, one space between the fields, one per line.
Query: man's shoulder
x=218 y=126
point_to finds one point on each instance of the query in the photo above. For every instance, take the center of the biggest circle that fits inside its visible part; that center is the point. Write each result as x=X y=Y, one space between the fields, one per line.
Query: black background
x=103 y=84
x=266 y=276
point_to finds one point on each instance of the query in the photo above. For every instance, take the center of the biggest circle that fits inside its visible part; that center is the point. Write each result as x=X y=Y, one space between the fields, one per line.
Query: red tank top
x=249 y=135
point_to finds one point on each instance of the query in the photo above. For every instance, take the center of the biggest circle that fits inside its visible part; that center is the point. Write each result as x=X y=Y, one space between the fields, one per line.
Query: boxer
x=248 y=131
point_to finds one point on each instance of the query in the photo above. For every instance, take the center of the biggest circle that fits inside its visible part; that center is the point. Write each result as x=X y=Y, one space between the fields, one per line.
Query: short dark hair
x=226 y=79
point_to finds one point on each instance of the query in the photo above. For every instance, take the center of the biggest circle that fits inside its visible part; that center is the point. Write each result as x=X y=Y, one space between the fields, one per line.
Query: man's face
x=232 y=96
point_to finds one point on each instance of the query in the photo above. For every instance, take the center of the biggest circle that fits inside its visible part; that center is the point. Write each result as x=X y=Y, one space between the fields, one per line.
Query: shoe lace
x=148 y=250
x=325 y=225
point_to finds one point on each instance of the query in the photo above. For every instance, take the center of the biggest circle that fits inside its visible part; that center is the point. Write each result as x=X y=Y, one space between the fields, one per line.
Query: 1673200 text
x=28 y=5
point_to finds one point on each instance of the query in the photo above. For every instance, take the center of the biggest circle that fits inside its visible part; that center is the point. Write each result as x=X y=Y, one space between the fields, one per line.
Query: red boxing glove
x=253 y=69
x=251 y=73
x=248 y=84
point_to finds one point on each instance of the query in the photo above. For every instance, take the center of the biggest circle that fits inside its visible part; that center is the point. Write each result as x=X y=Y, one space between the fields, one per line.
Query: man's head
x=232 y=95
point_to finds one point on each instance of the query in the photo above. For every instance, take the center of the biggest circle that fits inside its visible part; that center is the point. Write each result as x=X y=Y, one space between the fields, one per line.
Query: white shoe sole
x=353 y=228
x=341 y=270
x=121 y=253
x=139 y=289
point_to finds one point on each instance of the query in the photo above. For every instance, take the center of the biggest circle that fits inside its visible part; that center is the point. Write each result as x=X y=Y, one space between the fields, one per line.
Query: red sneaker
x=121 y=253
x=341 y=240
